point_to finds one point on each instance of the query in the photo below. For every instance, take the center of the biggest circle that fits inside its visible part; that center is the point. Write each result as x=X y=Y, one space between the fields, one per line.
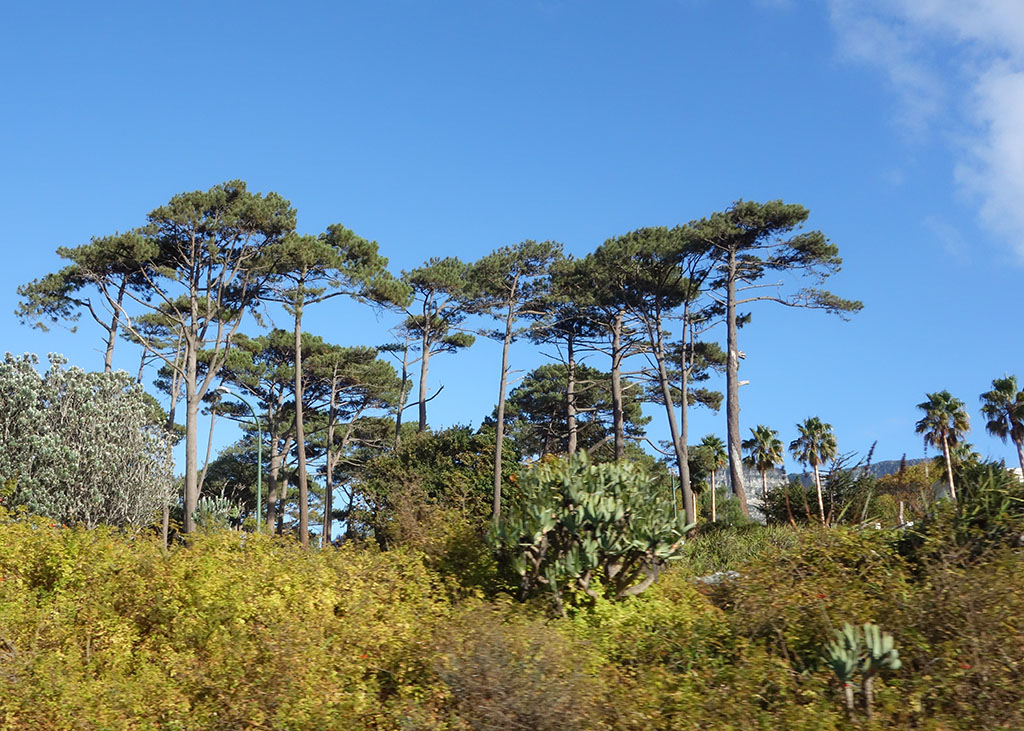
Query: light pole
x=259 y=454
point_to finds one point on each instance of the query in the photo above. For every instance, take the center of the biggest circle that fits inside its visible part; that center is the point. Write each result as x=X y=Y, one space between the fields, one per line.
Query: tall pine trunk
x=300 y=432
x=570 y=395
x=424 y=363
x=658 y=345
x=328 y=526
x=108 y=357
x=499 y=436
x=618 y=426
x=684 y=405
x=191 y=437
x=732 y=399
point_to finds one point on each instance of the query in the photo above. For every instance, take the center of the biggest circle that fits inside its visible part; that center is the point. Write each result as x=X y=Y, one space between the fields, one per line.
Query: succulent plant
x=865 y=650
x=577 y=526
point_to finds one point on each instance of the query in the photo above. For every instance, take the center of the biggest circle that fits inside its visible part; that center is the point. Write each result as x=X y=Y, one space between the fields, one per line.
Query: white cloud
x=956 y=64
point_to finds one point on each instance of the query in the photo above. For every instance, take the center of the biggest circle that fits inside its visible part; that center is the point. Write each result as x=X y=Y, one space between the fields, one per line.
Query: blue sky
x=452 y=128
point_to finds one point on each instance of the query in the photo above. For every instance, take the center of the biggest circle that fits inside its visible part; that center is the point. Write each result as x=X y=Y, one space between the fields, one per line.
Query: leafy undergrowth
x=99 y=630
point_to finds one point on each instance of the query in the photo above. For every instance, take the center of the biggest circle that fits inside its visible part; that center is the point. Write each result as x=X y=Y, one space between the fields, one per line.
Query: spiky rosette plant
x=591 y=528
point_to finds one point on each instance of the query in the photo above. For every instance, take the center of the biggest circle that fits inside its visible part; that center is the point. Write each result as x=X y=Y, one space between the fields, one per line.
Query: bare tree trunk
x=424 y=363
x=300 y=433
x=732 y=399
x=789 y=508
x=209 y=448
x=401 y=393
x=616 y=375
x=657 y=344
x=108 y=357
x=1020 y=456
x=273 y=482
x=570 y=396
x=499 y=436
x=329 y=477
x=684 y=406
x=175 y=391
x=191 y=441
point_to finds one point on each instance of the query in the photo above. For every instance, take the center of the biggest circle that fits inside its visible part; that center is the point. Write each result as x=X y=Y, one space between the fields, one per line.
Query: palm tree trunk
x=1020 y=456
x=821 y=503
x=714 y=511
x=949 y=467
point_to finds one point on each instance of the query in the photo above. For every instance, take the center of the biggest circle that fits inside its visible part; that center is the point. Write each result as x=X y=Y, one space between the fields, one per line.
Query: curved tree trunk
x=689 y=504
x=732 y=399
x=108 y=357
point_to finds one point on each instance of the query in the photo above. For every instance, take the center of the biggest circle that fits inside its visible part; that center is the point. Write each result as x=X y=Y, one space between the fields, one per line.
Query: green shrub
x=576 y=526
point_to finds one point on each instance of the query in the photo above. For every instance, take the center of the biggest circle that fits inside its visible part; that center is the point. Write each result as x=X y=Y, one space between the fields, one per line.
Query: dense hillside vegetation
x=102 y=629
x=342 y=566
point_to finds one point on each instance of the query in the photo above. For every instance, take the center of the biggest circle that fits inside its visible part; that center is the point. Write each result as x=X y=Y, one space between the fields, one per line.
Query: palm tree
x=944 y=423
x=719 y=457
x=1003 y=406
x=815 y=445
x=765 y=451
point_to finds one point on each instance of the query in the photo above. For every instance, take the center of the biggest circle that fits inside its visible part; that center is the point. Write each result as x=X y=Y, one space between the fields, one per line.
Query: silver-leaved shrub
x=80 y=448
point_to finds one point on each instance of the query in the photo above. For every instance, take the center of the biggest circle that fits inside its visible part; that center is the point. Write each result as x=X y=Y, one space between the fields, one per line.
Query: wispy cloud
x=958 y=66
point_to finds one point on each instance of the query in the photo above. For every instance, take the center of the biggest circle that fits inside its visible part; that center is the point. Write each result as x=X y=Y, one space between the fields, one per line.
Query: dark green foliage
x=989 y=512
x=395 y=492
x=535 y=413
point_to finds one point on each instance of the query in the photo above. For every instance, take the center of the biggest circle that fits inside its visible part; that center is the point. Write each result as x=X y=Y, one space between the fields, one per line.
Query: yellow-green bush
x=102 y=630
x=236 y=630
